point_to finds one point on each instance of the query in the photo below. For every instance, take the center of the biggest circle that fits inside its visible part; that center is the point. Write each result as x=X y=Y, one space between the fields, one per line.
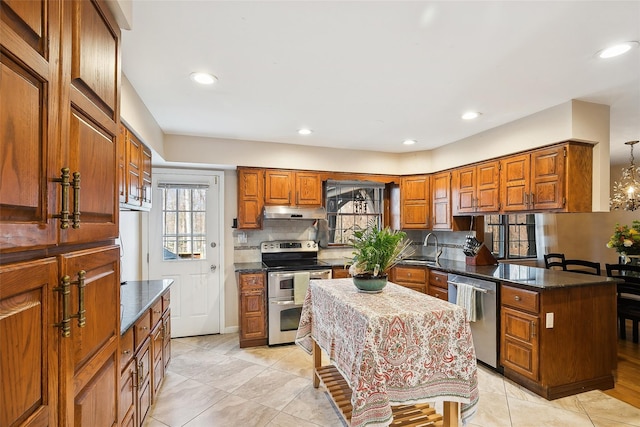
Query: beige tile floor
x=212 y=382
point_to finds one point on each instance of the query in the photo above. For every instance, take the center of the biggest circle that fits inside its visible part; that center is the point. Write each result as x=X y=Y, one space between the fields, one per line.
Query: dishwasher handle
x=475 y=288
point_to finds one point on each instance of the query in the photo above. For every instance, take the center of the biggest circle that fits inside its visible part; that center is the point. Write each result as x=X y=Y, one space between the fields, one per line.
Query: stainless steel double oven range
x=283 y=260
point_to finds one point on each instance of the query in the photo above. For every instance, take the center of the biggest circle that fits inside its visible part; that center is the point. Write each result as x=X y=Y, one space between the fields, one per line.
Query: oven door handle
x=283 y=302
x=280 y=275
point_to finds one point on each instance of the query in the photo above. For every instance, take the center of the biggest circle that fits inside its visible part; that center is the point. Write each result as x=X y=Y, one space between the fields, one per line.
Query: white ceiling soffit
x=368 y=75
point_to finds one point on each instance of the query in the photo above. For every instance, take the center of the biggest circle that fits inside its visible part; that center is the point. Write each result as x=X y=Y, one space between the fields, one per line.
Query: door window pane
x=184 y=223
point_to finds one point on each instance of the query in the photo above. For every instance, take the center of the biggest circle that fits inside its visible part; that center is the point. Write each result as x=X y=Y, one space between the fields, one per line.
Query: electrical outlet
x=549 y=321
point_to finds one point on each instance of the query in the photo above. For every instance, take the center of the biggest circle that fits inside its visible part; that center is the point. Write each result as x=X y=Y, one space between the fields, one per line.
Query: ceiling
x=367 y=75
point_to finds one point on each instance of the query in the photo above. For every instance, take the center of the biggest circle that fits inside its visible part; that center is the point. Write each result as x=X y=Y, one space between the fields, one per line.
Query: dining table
x=388 y=351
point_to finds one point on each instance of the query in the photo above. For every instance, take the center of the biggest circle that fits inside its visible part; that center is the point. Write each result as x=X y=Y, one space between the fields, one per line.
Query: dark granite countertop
x=249 y=267
x=138 y=296
x=535 y=277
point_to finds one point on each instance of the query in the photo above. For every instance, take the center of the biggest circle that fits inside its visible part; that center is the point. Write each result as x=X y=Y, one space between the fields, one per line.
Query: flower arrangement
x=626 y=240
x=376 y=250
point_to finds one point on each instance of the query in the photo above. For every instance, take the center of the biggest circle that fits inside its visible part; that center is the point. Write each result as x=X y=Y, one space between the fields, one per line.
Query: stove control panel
x=278 y=246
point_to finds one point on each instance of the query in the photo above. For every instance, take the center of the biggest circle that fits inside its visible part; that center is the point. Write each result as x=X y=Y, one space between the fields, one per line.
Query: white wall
x=132 y=265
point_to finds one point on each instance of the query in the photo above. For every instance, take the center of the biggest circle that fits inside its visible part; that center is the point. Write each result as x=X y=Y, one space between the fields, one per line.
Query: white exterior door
x=185 y=245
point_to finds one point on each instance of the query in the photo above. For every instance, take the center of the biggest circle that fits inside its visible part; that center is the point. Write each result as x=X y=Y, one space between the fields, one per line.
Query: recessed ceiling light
x=203 y=78
x=470 y=115
x=409 y=141
x=617 y=49
x=305 y=131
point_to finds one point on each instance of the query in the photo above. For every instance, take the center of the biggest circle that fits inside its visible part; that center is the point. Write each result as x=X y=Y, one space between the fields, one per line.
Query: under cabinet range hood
x=294 y=212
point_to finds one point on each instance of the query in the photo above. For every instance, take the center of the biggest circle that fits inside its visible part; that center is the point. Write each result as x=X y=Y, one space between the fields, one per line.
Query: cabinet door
x=29 y=38
x=250 y=198
x=414 y=202
x=157 y=373
x=90 y=118
x=127 y=403
x=122 y=165
x=488 y=187
x=515 y=183
x=464 y=192
x=134 y=170
x=146 y=177
x=308 y=189
x=253 y=316
x=143 y=371
x=547 y=178
x=441 y=201
x=278 y=187
x=29 y=343
x=166 y=349
x=519 y=346
x=88 y=356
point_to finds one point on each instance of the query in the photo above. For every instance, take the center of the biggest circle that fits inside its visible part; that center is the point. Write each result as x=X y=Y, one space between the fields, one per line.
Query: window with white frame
x=352 y=205
x=184 y=221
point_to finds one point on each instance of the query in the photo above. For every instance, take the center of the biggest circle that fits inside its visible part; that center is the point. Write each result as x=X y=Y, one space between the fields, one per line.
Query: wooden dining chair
x=552 y=260
x=582 y=266
x=628 y=296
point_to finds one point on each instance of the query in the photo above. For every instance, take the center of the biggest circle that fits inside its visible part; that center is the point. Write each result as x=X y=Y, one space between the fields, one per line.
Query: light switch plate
x=549 y=322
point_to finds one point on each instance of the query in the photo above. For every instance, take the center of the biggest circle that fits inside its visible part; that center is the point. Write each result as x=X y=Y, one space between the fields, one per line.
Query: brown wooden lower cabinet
x=28 y=343
x=253 y=309
x=340 y=272
x=145 y=351
x=559 y=341
x=438 y=286
x=412 y=277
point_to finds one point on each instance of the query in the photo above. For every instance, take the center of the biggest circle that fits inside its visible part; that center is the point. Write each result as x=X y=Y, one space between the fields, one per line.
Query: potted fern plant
x=375 y=251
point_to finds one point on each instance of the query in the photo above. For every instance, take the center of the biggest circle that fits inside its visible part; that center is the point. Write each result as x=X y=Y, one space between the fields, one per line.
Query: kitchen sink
x=421 y=260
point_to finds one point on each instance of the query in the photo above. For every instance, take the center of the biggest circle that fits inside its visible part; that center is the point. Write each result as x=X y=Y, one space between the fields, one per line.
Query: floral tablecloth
x=398 y=346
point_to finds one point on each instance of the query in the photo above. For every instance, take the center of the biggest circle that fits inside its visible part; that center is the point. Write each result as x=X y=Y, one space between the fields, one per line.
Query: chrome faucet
x=438 y=251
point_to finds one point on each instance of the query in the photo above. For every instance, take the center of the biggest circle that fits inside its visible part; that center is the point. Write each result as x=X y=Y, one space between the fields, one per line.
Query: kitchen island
x=390 y=349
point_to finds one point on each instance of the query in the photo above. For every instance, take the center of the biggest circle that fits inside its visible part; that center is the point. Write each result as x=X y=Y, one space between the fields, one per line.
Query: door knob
x=213 y=268
x=213 y=244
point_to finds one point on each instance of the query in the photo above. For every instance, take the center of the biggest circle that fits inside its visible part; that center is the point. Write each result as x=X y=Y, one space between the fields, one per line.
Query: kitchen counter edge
x=523 y=275
x=137 y=296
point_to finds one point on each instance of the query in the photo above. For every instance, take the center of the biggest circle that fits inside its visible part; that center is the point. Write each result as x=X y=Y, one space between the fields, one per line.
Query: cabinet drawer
x=250 y=281
x=126 y=348
x=438 y=279
x=416 y=287
x=437 y=292
x=520 y=298
x=156 y=313
x=411 y=274
x=142 y=329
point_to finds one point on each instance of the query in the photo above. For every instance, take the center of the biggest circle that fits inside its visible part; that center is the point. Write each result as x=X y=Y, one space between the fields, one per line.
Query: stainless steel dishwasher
x=485 y=329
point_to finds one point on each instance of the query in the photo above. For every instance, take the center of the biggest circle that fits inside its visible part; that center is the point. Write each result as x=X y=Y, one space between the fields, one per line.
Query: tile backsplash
x=247 y=242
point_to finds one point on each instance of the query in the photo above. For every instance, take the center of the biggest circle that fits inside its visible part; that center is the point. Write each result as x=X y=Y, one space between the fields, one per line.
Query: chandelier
x=626 y=192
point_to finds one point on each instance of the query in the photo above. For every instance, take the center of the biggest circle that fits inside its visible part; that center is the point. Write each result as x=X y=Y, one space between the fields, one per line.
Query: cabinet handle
x=526 y=199
x=533 y=328
x=65 y=290
x=76 y=200
x=140 y=372
x=533 y=200
x=80 y=315
x=517 y=298
x=126 y=351
x=64 y=201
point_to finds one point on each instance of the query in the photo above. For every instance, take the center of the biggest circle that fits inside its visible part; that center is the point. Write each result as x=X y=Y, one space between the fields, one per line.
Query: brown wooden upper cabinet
x=415 y=202
x=441 y=200
x=292 y=188
x=134 y=166
x=250 y=197
x=556 y=179
x=476 y=188
x=58 y=146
